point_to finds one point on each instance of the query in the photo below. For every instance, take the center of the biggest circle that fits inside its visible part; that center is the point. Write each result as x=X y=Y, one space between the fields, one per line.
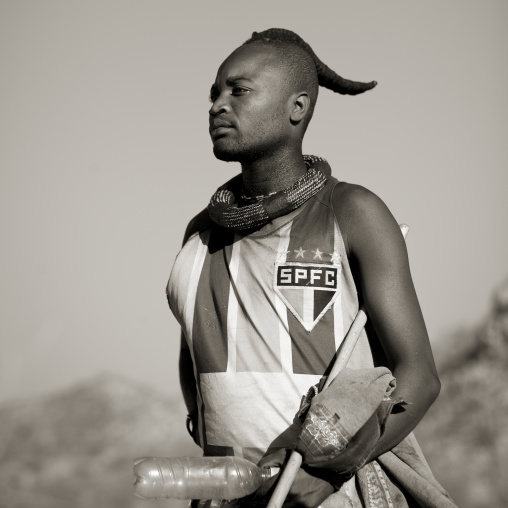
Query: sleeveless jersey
x=263 y=314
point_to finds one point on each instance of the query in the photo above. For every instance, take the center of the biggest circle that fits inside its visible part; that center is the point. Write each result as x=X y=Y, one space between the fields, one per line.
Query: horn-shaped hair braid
x=326 y=76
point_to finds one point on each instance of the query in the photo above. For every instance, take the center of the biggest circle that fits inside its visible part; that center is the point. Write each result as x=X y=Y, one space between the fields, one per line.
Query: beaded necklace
x=225 y=211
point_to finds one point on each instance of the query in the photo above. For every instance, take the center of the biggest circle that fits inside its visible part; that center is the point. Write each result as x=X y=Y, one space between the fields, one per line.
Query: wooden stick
x=295 y=459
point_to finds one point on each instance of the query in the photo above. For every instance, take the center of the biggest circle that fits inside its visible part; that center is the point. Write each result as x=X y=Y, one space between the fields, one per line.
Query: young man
x=271 y=275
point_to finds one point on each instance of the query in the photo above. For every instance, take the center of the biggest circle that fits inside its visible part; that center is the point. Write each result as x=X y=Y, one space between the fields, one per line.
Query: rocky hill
x=465 y=434
x=75 y=449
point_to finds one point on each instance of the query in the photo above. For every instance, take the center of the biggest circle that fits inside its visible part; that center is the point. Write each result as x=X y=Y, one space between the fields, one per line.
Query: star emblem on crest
x=317 y=254
x=300 y=253
x=335 y=258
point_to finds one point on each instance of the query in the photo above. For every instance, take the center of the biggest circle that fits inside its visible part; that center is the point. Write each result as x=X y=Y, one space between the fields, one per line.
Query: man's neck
x=272 y=174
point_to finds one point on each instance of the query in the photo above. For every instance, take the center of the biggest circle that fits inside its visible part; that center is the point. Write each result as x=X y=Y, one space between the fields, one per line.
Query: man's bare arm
x=378 y=255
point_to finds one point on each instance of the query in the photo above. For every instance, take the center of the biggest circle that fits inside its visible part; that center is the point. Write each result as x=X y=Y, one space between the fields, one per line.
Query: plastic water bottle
x=197 y=477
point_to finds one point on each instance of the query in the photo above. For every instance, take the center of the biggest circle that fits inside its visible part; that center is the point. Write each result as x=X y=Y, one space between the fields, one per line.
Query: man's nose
x=219 y=105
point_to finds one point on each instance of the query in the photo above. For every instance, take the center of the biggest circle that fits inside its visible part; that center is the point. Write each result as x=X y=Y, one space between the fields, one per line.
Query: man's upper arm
x=378 y=251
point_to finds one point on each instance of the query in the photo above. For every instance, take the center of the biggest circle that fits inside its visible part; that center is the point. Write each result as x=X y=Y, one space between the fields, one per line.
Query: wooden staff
x=295 y=459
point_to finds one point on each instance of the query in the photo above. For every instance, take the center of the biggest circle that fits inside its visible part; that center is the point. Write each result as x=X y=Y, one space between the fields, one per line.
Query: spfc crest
x=308 y=290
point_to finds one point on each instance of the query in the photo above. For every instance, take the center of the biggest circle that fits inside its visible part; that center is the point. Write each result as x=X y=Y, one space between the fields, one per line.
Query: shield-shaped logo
x=307 y=289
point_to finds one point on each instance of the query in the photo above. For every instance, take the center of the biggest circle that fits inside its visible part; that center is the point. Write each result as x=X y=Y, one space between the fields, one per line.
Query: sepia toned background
x=105 y=156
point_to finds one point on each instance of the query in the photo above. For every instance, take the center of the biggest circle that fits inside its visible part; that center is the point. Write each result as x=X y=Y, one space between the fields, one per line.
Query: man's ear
x=299 y=107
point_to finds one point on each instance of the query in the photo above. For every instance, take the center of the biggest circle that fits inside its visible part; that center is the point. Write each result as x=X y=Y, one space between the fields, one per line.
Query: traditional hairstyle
x=326 y=77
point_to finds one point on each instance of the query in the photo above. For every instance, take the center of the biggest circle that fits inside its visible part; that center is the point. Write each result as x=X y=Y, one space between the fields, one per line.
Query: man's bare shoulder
x=199 y=223
x=354 y=197
x=362 y=215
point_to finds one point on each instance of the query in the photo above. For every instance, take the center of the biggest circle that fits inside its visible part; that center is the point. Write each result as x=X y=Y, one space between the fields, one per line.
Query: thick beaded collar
x=227 y=208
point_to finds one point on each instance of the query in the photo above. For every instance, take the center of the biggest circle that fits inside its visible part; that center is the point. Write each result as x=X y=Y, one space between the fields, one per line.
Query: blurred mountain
x=75 y=449
x=464 y=436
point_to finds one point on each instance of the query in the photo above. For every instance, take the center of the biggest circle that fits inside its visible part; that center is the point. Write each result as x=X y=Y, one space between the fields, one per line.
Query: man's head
x=262 y=99
x=264 y=95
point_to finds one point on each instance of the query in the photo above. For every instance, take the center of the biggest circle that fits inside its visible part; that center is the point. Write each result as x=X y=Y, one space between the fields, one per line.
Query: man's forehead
x=248 y=62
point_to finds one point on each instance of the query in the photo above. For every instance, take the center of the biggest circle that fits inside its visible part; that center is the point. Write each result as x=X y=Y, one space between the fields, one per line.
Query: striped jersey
x=263 y=314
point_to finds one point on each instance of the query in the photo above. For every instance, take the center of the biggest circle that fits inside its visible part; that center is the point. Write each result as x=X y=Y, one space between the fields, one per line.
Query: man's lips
x=219 y=127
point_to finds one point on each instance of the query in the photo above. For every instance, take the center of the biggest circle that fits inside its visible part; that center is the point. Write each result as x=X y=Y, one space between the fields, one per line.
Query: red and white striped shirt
x=263 y=314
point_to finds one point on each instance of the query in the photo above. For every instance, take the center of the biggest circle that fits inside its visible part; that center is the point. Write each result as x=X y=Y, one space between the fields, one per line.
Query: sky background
x=105 y=157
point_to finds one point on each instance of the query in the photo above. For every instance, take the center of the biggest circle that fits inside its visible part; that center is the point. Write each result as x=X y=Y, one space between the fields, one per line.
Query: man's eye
x=239 y=90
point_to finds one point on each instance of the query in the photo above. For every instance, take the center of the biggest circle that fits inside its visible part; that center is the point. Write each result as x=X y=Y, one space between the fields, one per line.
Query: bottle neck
x=267 y=472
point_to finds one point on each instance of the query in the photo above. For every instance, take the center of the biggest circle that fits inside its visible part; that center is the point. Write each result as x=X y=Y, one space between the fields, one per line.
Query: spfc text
x=314 y=276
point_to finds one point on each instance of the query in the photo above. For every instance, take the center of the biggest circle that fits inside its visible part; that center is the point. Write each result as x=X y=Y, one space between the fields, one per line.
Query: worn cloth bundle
x=345 y=421
x=341 y=427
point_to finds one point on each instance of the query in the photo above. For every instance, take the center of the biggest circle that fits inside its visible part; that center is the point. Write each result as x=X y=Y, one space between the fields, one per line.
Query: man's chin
x=223 y=154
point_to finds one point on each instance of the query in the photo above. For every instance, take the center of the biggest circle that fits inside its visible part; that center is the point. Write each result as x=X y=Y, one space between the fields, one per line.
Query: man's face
x=249 y=117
